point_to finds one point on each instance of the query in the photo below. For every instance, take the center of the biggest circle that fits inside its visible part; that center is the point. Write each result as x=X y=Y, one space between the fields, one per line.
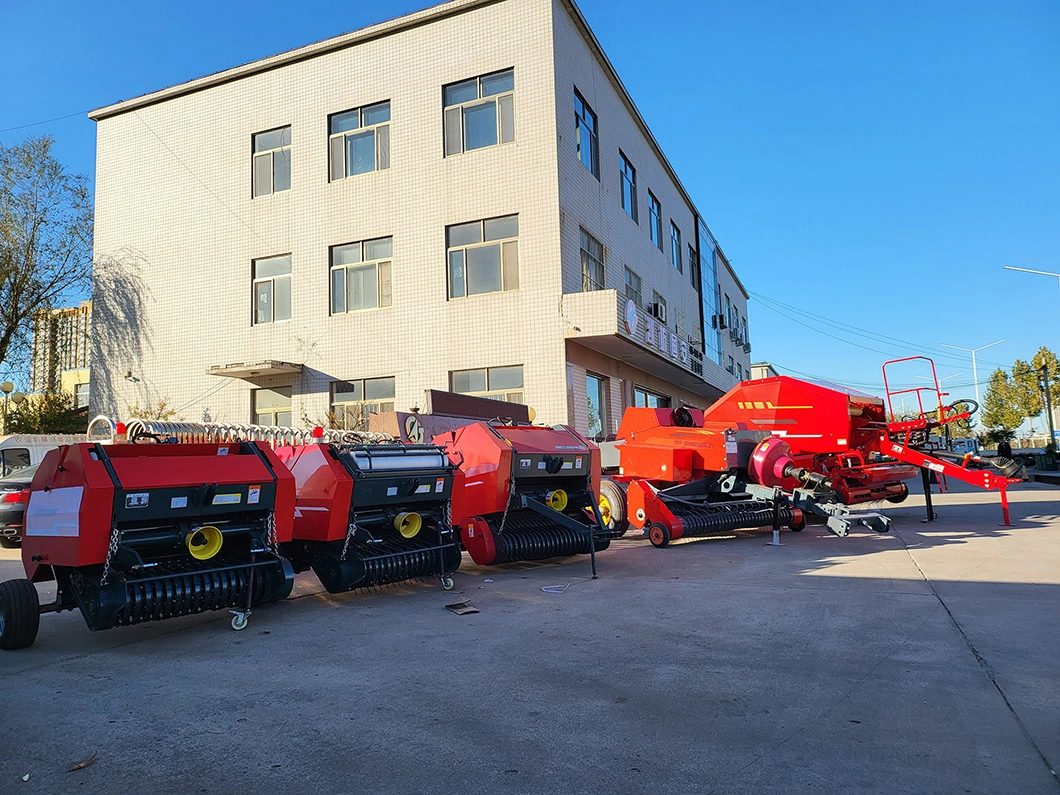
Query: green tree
x=1023 y=389
x=999 y=410
x=160 y=411
x=45 y=237
x=50 y=412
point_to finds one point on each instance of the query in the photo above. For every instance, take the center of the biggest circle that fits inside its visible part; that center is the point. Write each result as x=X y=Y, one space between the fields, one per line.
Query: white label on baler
x=578 y=462
x=524 y=463
x=227 y=499
x=138 y=500
x=391 y=491
x=54 y=513
x=439 y=485
x=222 y=451
x=178 y=502
x=253 y=495
x=423 y=489
x=936 y=467
x=540 y=464
x=568 y=465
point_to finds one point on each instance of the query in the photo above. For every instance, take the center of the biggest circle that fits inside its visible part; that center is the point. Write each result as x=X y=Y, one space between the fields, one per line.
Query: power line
x=46 y=121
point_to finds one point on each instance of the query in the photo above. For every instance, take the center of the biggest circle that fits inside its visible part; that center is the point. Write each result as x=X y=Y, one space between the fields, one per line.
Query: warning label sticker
x=138 y=500
x=227 y=499
x=178 y=502
x=253 y=495
x=424 y=489
x=439 y=485
x=391 y=491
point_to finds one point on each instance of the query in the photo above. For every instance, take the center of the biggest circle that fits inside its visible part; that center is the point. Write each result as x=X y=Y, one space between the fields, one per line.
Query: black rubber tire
x=616 y=496
x=897 y=498
x=659 y=535
x=7 y=542
x=19 y=614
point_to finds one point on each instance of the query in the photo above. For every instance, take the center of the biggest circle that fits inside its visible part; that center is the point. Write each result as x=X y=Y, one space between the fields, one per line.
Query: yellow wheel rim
x=605 y=509
x=204 y=542
x=408 y=524
x=557 y=500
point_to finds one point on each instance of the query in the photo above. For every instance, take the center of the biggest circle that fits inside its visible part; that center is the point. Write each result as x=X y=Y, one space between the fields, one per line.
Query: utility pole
x=975 y=372
x=1028 y=270
x=1044 y=384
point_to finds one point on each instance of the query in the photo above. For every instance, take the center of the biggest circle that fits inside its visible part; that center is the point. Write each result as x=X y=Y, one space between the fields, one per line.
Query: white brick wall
x=177 y=228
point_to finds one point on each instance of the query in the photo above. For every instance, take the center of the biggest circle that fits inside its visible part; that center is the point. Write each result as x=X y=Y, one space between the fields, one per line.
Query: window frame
x=628 y=177
x=581 y=117
x=648 y=393
x=490 y=393
x=602 y=399
x=378 y=264
x=255 y=280
x=675 y=247
x=271 y=154
x=505 y=254
x=588 y=259
x=655 y=220
x=639 y=292
x=460 y=109
x=273 y=410
x=363 y=406
x=342 y=136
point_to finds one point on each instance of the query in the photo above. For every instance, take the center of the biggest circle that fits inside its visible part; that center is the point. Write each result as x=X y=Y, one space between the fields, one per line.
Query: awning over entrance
x=255 y=369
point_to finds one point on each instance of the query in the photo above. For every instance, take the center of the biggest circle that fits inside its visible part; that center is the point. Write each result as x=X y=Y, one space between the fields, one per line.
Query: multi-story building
x=61 y=351
x=463 y=198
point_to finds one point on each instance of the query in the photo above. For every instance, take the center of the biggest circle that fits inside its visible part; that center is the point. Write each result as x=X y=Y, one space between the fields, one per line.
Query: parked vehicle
x=20 y=450
x=14 y=496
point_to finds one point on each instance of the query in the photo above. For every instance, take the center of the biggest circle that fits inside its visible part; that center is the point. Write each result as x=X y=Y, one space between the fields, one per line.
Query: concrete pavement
x=924 y=661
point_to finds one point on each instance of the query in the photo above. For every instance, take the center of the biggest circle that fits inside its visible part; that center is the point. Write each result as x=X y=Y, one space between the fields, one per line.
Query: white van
x=25 y=449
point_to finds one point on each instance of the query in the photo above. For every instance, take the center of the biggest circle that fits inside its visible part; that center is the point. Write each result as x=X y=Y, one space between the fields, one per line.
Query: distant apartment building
x=61 y=351
x=463 y=198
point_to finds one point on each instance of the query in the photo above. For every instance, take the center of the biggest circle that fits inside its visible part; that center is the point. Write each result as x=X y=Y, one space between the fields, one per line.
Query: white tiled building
x=462 y=198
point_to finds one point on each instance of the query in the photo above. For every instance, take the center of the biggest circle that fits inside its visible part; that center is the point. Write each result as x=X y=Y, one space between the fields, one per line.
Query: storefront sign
x=657 y=336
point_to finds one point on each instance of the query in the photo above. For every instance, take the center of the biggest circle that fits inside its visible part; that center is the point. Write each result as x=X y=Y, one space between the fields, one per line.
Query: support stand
x=776 y=519
x=931 y=515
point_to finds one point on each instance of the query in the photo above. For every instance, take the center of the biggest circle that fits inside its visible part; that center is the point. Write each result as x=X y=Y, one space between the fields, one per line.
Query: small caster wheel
x=659 y=535
x=800 y=525
x=239 y=621
x=447 y=583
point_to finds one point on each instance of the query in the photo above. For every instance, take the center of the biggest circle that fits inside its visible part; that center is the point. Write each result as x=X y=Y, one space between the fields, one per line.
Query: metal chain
x=349 y=534
x=507 y=505
x=449 y=515
x=112 y=547
x=270 y=525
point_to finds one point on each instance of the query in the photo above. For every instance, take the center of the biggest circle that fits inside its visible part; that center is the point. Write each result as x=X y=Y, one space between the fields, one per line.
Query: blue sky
x=871 y=165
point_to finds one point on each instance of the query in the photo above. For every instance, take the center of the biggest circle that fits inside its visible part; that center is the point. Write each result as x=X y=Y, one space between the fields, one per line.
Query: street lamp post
x=1043 y=384
x=975 y=372
x=1028 y=270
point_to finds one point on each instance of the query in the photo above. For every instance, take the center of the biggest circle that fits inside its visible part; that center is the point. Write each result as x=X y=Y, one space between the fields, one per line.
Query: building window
x=675 y=248
x=633 y=292
x=728 y=312
x=479 y=112
x=496 y=383
x=693 y=267
x=746 y=335
x=353 y=401
x=359 y=141
x=592 y=262
x=596 y=398
x=272 y=289
x=81 y=395
x=483 y=256
x=585 y=140
x=739 y=371
x=655 y=220
x=658 y=307
x=679 y=325
x=732 y=366
x=629 y=186
x=272 y=161
x=642 y=397
x=272 y=406
x=360 y=275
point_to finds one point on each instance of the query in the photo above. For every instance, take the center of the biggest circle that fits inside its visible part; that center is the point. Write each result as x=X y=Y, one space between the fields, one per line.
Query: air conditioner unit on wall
x=659 y=311
x=747 y=347
x=719 y=322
